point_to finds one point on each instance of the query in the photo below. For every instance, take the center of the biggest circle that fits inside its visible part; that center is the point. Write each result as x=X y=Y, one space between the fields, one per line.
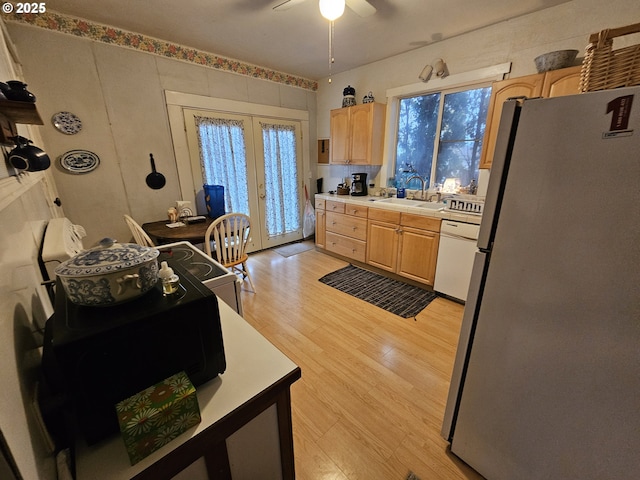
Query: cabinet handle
x=354 y=228
x=333 y=223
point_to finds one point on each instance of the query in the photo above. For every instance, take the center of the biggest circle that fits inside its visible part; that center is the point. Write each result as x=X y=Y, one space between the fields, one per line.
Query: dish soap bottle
x=170 y=281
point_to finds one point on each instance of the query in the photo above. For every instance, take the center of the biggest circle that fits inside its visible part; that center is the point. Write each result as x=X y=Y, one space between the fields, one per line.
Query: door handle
x=262 y=196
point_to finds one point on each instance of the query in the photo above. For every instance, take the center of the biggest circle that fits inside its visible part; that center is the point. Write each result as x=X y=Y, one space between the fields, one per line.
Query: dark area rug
x=392 y=295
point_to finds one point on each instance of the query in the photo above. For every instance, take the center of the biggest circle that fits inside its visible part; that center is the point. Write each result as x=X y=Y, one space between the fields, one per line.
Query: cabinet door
x=565 y=81
x=360 y=130
x=529 y=86
x=382 y=245
x=418 y=254
x=320 y=229
x=339 y=144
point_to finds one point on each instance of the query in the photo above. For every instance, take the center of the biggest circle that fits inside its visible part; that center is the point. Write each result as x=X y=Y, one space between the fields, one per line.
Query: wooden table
x=193 y=232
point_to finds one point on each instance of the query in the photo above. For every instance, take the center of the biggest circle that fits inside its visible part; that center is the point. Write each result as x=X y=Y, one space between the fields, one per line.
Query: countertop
x=373 y=202
x=253 y=365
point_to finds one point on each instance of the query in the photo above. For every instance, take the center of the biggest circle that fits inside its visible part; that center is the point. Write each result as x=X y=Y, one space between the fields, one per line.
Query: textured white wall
x=518 y=41
x=119 y=95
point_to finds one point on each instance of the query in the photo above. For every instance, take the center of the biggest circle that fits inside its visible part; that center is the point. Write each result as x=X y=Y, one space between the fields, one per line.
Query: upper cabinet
x=558 y=83
x=357 y=134
x=555 y=83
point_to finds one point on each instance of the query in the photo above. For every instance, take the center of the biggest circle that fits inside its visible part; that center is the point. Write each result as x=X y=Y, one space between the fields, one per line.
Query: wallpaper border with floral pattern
x=114 y=36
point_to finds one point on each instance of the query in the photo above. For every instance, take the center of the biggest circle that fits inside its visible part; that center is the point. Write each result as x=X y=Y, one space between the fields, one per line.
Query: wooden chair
x=139 y=234
x=230 y=235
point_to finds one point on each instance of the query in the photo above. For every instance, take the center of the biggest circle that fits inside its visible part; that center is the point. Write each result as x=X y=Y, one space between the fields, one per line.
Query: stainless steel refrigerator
x=546 y=381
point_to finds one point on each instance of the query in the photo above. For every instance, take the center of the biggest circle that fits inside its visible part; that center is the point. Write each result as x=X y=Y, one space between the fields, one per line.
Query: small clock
x=67 y=123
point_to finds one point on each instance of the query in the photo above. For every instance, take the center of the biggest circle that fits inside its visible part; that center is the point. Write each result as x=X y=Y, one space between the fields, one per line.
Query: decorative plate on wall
x=67 y=123
x=79 y=161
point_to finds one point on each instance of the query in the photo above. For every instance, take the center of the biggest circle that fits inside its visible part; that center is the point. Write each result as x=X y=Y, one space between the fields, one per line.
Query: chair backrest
x=139 y=234
x=230 y=234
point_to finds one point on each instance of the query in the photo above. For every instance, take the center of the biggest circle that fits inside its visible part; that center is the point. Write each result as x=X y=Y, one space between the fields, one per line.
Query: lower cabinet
x=383 y=239
x=403 y=243
x=346 y=230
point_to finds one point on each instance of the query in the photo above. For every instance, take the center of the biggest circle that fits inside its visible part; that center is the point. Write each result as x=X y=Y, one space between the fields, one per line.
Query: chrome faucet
x=422 y=197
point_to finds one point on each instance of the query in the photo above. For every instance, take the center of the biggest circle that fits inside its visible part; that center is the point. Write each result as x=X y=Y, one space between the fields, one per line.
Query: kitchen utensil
x=155 y=179
x=555 y=60
x=18 y=92
x=109 y=274
x=349 y=96
x=79 y=161
x=67 y=123
x=28 y=157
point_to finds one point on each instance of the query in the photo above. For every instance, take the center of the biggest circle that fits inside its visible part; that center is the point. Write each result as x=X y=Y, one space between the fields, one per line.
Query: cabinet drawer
x=356 y=210
x=354 y=227
x=332 y=206
x=346 y=246
x=320 y=203
x=387 y=216
x=418 y=221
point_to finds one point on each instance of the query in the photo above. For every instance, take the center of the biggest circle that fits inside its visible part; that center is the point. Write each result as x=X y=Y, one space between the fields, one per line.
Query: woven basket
x=604 y=68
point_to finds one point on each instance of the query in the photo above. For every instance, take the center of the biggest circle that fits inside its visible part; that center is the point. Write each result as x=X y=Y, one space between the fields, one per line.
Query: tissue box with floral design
x=152 y=418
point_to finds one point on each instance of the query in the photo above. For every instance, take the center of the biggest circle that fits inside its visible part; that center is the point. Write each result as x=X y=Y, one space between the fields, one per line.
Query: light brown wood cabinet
x=383 y=238
x=555 y=83
x=403 y=243
x=320 y=223
x=346 y=230
x=357 y=134
x=419 y=243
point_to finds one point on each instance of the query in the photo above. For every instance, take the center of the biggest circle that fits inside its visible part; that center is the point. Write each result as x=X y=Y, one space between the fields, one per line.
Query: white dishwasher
x=455 y=258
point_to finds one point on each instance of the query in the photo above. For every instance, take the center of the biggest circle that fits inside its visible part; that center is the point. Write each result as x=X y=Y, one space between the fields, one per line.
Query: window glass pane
x=281 y=174
x=417 y=129
x=463 y=122
x=459 y=140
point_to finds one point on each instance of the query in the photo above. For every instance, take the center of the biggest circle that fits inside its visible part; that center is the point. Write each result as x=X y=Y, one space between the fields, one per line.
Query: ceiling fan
x=362 y=8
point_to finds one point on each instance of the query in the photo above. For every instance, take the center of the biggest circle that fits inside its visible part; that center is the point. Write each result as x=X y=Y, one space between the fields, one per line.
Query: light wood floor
x=371 y=399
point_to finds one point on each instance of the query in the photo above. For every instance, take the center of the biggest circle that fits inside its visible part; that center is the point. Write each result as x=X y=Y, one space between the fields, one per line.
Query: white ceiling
x=296 y=40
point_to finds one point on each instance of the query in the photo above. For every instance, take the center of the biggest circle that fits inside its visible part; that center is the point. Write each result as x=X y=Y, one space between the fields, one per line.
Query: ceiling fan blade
x=287 y=4
x=361 y=7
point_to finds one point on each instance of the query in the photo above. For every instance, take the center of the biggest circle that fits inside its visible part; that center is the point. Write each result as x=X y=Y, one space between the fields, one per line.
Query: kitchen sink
x=413 y=203
x=402 y=201
x=432 y=205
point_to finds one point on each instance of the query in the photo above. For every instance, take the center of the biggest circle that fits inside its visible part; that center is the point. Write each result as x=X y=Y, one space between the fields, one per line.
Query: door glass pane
x=282 y=207
x=463 y=122
x=223 y=159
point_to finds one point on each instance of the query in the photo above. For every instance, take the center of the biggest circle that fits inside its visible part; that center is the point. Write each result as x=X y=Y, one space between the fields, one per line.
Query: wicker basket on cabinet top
x=605 y=68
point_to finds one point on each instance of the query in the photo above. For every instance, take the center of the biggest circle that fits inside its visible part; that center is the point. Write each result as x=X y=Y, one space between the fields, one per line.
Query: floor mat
x=392 y=295
x=294 y=248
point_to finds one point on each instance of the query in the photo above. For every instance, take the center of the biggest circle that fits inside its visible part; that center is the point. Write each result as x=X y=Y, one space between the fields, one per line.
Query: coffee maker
x=358 y=184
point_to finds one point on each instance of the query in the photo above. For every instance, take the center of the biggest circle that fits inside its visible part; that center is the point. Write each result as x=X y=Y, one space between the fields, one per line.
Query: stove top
x=191 y=259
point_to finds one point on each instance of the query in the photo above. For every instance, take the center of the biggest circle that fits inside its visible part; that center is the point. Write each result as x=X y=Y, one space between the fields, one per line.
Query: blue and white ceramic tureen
x=109 y=274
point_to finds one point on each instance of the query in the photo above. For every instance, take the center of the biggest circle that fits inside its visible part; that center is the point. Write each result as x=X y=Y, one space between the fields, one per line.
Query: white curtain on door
x=281 y=179
x=223 y=159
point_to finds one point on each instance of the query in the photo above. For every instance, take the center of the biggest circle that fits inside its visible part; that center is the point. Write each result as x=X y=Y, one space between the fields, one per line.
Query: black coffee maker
x=358 y=184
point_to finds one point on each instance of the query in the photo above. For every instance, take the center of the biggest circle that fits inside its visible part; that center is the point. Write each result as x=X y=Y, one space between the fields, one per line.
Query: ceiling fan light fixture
x=332 y=9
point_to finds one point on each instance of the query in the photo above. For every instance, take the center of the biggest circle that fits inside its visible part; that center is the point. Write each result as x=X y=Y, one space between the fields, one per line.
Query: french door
x=258 y=160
